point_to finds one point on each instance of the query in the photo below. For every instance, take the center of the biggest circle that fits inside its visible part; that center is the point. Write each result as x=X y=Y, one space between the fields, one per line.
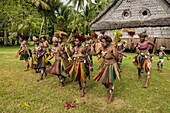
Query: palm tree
x=77 y=21
x=100 y=5
x=43 y=7
x=63 y=14
x=87 y=15
x=76 y=24
x=79 y=4
x=84 y=15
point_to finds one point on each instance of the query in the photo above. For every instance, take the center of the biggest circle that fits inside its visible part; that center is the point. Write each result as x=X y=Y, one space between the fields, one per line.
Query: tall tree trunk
x=41 y=28
x=45 y=23
x=17 y=41
x=6 y=39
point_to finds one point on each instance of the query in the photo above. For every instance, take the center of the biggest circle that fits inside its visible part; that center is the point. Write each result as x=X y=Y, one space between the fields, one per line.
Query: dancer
x=57 y=67
x=61 y=44
x=47 y=48
x=40 y=56
x=142 y=60
x=34 y=56
x=89 y=58
x=97 y=46
x=121 y=46
x=161 y=55
x=110 y=70
x=79 y=69
x=24 y=51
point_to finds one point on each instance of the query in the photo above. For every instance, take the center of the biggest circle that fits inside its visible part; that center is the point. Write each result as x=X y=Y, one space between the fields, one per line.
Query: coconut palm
x=79 y=4
x=63 y=14
x=75 y=22
x=86 y=17
x=100 y=5
x=42 y=6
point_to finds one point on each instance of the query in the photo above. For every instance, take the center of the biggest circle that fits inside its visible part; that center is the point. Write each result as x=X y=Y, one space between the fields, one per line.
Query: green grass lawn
x=20 y=92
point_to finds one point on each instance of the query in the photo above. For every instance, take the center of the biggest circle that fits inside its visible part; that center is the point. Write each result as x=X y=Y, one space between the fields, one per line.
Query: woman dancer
x=40 y=56
x=58 y=66
x=142 y=60
x=79 y=69
x=110 y=69
x=48 y=50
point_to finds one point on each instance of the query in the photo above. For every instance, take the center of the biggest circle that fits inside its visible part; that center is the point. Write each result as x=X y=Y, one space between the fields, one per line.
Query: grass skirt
x=41 y=62
x=100 y=62
x=34 y=62
x=108 y=74
x=78 y=71
x=57 y=67
x=24 y=55
x=143 y=63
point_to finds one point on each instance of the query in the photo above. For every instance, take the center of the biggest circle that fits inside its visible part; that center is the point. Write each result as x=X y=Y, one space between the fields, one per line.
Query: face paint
x=77 y=42
x=142 y=39
x=103 y=42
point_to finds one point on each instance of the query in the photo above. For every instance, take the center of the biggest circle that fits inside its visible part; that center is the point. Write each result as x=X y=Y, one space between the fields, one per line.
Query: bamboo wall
x=162 y=34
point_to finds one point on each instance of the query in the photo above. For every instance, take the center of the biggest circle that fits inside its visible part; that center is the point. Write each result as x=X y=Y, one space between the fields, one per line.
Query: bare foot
x=64 y=79
x=108 y=96
x=146 y=86
x=110 y=100
x=62 y=84
x=79 y=88
x=82 y=94
x=26 y=70
x=45 y=74
x=39 y=79
x=91 y=69
x=139 y=79
x=69 y=75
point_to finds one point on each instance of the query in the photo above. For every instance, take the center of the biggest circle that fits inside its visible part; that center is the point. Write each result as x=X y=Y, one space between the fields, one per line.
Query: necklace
x=76 y=50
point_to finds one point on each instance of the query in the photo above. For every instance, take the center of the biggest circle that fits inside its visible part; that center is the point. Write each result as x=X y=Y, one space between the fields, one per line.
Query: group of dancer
x=74 y=57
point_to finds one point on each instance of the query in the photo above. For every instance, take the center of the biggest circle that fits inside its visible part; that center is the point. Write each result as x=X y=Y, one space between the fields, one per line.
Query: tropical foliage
x=43 y=17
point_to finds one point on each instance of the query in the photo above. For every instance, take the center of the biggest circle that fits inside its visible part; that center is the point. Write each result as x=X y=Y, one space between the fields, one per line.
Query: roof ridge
x=165 y=20
x=104 y=11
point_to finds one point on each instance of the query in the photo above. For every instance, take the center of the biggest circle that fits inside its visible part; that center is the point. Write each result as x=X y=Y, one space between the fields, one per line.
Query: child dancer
x=161 y=55
x=24 y=51
x=58 y=65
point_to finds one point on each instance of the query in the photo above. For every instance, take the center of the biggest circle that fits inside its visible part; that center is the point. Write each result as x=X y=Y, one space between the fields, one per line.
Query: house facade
x=140 y=15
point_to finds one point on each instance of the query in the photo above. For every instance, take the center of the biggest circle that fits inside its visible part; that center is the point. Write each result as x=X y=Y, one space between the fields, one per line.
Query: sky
x=65 y=1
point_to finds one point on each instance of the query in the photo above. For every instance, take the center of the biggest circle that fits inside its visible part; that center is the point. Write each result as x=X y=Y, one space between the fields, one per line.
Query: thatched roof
x=168 y=1
x=158 y=14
